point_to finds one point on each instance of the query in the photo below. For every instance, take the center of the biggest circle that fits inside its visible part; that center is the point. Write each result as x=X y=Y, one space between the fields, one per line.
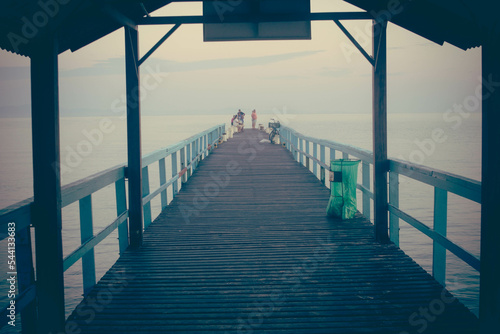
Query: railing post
x=209 y=142
x=134 y=156
x=332 y=154
x=440 y=226
x=145 y=192
x=193 y=155
x=121 y=207
x=86 y=233
x=163 y=180
x=188 y=160
x=315 y=155
x=323 y=160
x=308 y=164
x=301 y=148
x=204 y=146
x=197 y=144
x=394 y=201
x=47 y=187
x=175 y=186
x=345 y=156
x=366 y=184
x=295 y=147
x=183 y=164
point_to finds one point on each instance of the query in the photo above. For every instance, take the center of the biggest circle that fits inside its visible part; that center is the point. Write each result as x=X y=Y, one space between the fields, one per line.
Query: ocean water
x=411 y=137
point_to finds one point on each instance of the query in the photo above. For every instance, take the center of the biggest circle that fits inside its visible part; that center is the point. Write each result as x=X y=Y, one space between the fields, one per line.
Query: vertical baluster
x=322 y=154
x=332 y=154
x=345 y=156
x=175 y=185
x=193 y=154
x=366 y=184
x=163 y=180
x=86 y=233
x=301 y=148
x=440 y=226
x=296 y=144
x=209 y=142
x=188 y=160
x=332 y=157
x=183 y=164
x=204 y=147
x=394 y=201
x=198 y=149
x=315 y=155
x=121 y=207
x=308 y=165
x=145 y=192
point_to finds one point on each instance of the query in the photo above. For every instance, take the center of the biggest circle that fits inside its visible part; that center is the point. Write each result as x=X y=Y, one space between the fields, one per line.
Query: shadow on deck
x=245 y=247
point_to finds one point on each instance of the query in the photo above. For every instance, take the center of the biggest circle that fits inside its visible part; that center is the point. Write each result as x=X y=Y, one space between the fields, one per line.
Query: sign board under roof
x=245 y=20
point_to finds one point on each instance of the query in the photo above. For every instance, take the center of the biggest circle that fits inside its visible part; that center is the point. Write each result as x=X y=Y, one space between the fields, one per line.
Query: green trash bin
x=343 y=180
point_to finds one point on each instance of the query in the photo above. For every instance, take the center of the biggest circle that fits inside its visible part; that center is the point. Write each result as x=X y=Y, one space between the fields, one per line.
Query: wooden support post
x=25 y=277
x=332 y=155
x=489 y=299
x=345 y=156
x=145 y=192
x=380 y=163
x=365 y=168
x=163 y=180
x=394 y=200
x=175 y=185
x=121 y=207
x=47 y=188
x=86 y=233
x=134 y=171
x=440 y=222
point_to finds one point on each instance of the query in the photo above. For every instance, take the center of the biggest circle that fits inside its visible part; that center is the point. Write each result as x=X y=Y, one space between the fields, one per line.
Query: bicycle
x=275 y=132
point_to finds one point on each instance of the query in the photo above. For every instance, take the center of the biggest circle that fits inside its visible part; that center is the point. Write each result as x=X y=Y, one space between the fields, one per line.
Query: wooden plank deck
x=246 y=247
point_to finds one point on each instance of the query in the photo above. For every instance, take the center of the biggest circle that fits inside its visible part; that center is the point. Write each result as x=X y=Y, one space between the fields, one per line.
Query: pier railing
x=443 y=182
x=16 y=219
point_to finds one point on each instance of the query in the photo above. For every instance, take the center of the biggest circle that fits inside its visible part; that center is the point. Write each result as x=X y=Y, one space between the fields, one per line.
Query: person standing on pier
x=241 y=118
x=254 y=119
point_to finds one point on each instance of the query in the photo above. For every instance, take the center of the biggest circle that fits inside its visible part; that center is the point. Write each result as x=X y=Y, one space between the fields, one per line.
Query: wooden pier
x=246 y=247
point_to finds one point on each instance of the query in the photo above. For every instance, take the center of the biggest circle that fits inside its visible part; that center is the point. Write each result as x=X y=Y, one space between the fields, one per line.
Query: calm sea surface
x=447 y=142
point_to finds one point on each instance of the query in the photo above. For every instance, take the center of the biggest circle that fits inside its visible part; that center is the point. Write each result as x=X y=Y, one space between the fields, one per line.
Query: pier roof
x=24 y=24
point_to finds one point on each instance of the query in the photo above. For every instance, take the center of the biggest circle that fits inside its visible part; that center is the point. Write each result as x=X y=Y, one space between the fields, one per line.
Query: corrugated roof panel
x=460 y=23
x=25 y=23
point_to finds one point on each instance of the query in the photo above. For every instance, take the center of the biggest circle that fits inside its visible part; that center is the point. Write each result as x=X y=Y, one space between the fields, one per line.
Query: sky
x=189 y=76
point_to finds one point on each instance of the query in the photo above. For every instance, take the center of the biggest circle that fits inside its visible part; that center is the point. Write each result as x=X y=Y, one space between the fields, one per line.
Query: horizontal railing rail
x=187 y=153
x=443 y=183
